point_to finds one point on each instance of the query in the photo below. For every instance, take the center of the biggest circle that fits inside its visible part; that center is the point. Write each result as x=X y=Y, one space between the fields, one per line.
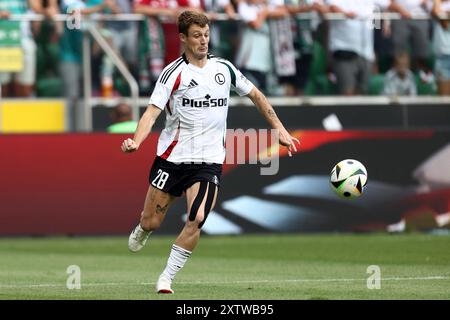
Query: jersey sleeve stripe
x=172 y=66
x=232 y=74
x=170 y=71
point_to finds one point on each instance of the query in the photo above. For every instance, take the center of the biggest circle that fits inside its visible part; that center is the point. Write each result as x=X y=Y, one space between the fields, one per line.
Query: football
x=348 y=178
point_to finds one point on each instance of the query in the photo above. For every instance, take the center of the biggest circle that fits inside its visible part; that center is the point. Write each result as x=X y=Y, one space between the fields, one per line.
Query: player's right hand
x=129 y=145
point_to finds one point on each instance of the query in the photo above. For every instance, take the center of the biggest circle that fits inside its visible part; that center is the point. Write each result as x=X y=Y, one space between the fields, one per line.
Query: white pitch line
x=322 y=280
x=108 y=284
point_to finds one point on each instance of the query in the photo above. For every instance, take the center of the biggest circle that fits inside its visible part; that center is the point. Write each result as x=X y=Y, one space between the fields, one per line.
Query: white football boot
x=163 y=285
x=138 y=238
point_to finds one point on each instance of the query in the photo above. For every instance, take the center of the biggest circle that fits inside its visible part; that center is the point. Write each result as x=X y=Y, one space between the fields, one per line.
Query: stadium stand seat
x=319 y=60
x=425 y=89
x=49 y=87
x=121 y=86
x=376 y=84
x=48 y=80
x=318 y=83
x=324 y=86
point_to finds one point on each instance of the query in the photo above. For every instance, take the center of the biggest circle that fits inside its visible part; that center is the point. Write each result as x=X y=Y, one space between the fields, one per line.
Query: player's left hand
x=289 y=141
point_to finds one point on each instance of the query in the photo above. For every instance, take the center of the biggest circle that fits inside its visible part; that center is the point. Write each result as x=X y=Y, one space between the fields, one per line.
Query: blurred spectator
x=222 y=33
x=122 y=122
x=151 y=39
x=46 y=34
x=51 y=8
x=254 y=53
x=282 y=45
x=71 y=51
x=383 y=46
x=254 y=56
x=19 y=84
x=102 y=67
x=441 y=45
x=123 y=33
x=412 y=35
x=351 y=43
x=400 y=81
x=303 y=42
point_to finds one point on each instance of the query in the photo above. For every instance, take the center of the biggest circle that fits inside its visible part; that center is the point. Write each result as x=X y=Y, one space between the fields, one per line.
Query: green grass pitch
x=322 y=266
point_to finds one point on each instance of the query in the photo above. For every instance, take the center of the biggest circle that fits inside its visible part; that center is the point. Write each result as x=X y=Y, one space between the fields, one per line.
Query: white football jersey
x=196 y=103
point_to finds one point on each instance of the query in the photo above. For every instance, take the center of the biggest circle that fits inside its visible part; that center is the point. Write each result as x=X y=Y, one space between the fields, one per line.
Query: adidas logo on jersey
x=192 y=84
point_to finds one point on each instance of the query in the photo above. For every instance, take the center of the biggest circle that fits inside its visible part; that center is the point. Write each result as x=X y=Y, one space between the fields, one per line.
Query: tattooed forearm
x=271 y=113
x=160 y=209
x=265 y=108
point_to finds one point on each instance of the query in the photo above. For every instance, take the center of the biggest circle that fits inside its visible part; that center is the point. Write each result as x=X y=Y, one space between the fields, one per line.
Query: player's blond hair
x=188 y=18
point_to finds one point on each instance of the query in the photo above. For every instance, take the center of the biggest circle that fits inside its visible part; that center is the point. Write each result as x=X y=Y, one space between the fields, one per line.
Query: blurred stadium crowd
x=286 y=47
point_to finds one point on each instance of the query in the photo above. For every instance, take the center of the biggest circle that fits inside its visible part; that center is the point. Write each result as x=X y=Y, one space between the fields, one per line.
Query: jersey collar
x=185 y=59
x=208 y=56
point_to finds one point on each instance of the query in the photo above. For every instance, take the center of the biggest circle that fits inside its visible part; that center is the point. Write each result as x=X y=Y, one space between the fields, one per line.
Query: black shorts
x=176 y=178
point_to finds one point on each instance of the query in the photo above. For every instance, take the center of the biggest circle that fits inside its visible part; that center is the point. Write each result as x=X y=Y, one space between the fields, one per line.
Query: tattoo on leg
x=152 y=195
x=160 y=209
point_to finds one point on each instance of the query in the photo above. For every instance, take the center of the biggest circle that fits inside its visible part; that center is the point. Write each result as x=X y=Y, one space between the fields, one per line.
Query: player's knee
x=197 y=219
x=202 y=222
x=150 y=223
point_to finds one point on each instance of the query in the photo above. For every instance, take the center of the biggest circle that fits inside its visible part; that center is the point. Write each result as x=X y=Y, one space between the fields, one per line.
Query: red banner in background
x=82 y=184
x=71 y=184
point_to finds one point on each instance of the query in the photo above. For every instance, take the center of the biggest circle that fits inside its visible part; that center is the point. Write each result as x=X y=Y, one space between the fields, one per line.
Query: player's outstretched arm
x=143 y=129
x=263 y=105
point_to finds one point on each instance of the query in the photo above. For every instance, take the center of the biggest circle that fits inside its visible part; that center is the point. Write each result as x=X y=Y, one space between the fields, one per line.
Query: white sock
x=177 y=258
